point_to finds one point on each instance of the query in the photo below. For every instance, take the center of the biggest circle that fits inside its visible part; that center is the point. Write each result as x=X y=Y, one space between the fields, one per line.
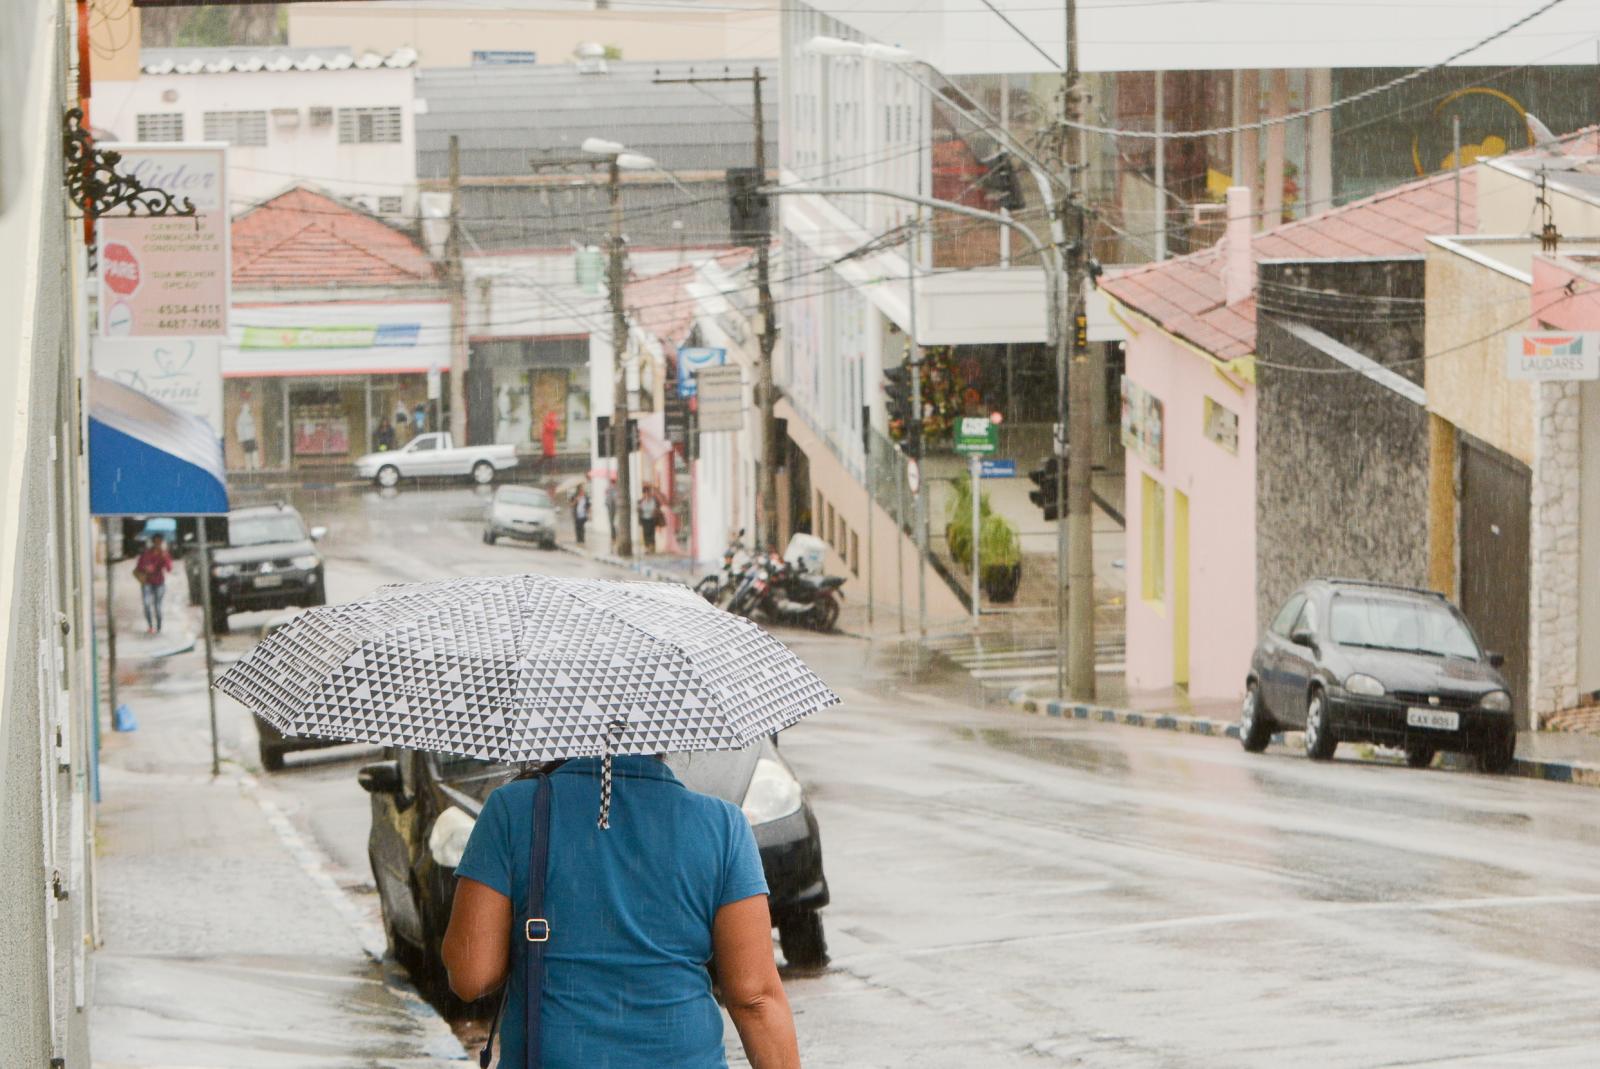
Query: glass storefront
x=329 y=421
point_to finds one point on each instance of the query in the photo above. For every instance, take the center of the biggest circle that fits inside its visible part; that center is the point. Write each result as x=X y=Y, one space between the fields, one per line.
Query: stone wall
x=1554 y=573
x=1342 y=460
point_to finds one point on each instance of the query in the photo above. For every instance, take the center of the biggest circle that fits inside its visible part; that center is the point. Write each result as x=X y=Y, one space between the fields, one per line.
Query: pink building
x=1189 y=424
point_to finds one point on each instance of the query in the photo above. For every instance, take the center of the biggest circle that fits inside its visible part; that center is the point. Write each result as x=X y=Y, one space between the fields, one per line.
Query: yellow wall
x=447 y=35
x=114 y=43
x=1470 y=306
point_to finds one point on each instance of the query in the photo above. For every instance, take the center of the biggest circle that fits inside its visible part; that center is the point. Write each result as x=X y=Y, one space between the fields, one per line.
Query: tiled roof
x=662 y=304
x=270 y=60
x=305 y=238
x=1186 y=296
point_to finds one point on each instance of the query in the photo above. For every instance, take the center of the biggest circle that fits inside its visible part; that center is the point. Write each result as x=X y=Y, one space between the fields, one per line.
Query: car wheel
x=1255 y=726
x=1497 y=757
x=489 y=537
x=271 y=758
x=1320 y=739
x=219 y=618
x=1420 y=756
x=483 y=473
x=317 y=596
x=549 y=543
x=388 y=476
x=800 y=935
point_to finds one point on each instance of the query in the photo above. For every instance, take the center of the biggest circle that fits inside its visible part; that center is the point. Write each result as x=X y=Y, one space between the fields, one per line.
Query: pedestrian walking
x=649 y=516
x=244 y=432
x=611 y=509
x=580 y=512
x=151 y=571
x=419 y=418
x=547 y=441
x=402 y=422
x=385 y=439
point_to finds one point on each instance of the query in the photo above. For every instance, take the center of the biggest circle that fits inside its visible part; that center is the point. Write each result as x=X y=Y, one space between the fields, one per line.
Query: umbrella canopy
x=527 y=668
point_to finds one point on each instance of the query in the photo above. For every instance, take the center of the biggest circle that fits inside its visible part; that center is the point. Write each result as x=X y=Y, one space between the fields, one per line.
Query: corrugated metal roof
x=505 y=115
x=249 y=60
x=500 y=218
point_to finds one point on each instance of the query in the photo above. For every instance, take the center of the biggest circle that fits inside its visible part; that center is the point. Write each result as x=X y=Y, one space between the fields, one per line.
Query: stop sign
x=120 y=268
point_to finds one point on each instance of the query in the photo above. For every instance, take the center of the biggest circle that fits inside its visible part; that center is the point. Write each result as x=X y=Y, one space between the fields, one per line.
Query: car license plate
x=264 y=581
x=1433 y=718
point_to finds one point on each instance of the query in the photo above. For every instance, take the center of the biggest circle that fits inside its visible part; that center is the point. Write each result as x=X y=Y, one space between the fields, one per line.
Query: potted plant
x=999 y=559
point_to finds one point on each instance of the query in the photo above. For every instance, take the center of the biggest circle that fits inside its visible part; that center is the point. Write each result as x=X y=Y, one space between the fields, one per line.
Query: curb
x=1526 y=768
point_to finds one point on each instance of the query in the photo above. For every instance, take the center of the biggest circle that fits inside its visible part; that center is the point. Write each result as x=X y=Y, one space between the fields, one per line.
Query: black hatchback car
x=1353 y=661
x=424 y=806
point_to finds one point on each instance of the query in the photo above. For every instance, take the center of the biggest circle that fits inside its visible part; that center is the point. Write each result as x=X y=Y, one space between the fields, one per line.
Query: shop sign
x=1222 y=425
x=168 y=276
x=181 y=373
x=675 y=414
x=434 y=385
x=1143 y=418
x=721 y=398
x=977 y=435
x=694 y=358
x=332 y=336
x=1553 y=356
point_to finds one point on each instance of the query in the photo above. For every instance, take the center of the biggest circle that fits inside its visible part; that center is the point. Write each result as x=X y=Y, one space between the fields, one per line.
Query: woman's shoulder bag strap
x=533 y=934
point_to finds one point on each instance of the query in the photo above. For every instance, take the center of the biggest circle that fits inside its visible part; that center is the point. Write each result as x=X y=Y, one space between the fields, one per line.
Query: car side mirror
x=1302 y=636
x=381 y=777
x=318 y=533
x=1496 y=659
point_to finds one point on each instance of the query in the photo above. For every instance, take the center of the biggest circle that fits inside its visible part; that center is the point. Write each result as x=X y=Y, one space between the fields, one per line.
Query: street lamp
x=835 y=46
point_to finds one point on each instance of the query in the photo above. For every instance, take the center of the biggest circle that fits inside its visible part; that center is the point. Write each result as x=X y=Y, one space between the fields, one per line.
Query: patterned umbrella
x=527 y=668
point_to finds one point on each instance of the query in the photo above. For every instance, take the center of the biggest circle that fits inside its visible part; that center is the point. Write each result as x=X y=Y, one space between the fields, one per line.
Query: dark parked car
x=424 y=806
x=1353 y=661
x=271 y=743
x=270 y=562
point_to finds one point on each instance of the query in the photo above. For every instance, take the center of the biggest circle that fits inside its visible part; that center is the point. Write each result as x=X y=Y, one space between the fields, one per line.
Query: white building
x=341 y=120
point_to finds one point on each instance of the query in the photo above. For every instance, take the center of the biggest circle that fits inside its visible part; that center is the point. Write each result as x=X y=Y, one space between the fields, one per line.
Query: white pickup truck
x=436 y=456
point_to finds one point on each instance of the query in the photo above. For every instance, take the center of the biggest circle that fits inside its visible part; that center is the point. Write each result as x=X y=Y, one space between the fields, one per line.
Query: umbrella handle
x=613 y=732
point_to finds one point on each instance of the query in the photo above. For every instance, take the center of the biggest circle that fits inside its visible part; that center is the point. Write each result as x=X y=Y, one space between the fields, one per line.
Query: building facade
x=47 y=683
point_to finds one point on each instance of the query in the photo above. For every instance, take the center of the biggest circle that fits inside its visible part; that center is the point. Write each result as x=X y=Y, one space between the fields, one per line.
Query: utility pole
x=623 y=547
x=766 y=392
x=457 y=279
x=1074 y=542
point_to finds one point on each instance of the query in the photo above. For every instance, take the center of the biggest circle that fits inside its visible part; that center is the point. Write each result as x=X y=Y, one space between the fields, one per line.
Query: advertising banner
x=692 y=359
x=181 y=373
x=168 y=276
x=721 y=398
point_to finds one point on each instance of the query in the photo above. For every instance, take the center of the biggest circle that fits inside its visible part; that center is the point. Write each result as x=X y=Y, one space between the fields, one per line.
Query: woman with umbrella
x=599 y=930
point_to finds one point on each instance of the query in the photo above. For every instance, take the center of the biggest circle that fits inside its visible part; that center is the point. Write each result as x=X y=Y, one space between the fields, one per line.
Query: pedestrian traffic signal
x=903 y=429
x=1044 y=477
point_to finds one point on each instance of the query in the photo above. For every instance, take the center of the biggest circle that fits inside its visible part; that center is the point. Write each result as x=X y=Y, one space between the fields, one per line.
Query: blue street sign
x=692 y=358
x=997 y=469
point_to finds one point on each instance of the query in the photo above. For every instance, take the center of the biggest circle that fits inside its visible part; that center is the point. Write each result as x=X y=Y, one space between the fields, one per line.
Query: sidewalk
x=1549 y=755
x=226 y=942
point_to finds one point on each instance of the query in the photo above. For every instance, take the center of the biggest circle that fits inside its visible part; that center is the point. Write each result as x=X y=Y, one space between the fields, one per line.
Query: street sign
x=1058 y=434
x=693 y=359
x=913 y=476
x=182 y=373
x=721 y=400
x=1553 y=356
x=675 y=417
x=997 y=469
x=977 y=434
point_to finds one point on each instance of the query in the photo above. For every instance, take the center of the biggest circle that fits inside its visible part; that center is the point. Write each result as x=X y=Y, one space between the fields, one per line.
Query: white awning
x=337 y=338
x=964 y=37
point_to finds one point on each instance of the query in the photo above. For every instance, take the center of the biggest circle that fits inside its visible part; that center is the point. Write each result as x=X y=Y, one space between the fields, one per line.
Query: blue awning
x=146 y=459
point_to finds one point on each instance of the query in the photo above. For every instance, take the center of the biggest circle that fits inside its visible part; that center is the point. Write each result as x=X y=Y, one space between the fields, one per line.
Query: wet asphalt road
x=1015 y=891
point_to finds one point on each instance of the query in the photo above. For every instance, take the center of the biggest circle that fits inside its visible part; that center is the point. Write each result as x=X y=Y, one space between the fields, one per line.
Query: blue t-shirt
x=630 y=912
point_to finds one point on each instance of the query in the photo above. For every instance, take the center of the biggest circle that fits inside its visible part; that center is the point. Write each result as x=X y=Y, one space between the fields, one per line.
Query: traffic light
x=749 y=214
x=1044 y=477
x=904 y=429
x=1001 y=183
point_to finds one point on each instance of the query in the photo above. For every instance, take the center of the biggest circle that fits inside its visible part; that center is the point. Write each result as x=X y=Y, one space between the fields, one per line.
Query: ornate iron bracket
x=95 y=185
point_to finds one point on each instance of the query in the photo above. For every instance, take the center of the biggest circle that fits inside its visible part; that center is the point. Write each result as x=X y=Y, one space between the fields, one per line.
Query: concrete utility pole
x=457 y=280
x=623 y=547
x=1074 y=543
x=766 y=391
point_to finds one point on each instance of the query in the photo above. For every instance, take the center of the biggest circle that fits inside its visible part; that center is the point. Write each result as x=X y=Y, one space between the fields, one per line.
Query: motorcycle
x=794 y=595
x=751 y=585
x=718 y=585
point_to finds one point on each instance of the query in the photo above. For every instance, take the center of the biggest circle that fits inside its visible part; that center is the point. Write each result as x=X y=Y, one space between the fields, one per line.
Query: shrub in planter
x=999 y=559
x=958 y=521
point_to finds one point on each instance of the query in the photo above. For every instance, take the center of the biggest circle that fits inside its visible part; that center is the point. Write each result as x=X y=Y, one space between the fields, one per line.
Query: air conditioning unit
x=286 y=118
x=321 y=116
x=390 y=205
x=365 y=201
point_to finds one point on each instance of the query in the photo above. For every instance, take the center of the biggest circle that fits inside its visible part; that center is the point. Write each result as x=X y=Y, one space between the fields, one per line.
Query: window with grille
x=161 y=126
x=321 y=116
x=389 y=205
x=369 y=126
x=237 y=127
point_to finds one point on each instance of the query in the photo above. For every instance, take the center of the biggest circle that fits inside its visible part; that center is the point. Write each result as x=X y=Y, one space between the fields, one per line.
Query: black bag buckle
x=536 y=930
